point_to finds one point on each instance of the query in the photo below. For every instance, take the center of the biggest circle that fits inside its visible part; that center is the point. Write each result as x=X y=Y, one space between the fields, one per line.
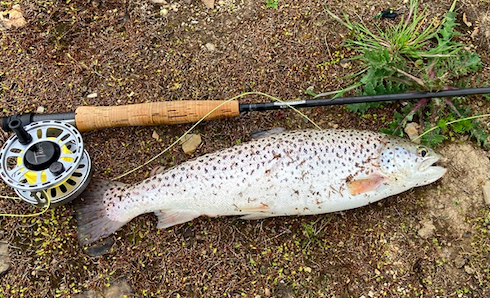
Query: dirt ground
x=428 y=242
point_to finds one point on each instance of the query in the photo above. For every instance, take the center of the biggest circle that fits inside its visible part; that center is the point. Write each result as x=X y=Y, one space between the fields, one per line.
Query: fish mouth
x=430 y=169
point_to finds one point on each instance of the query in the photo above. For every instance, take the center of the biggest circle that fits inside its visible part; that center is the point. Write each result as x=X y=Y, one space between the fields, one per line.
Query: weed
x=271 y=4
x=414 y=55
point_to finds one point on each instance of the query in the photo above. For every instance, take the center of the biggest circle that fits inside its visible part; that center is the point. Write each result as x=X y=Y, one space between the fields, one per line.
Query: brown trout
x=290 y=173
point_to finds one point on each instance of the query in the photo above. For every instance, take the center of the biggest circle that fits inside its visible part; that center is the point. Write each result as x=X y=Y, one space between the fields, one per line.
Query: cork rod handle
x=156 y=113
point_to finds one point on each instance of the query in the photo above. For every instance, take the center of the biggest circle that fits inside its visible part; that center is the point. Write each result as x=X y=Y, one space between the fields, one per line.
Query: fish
x=283 y=174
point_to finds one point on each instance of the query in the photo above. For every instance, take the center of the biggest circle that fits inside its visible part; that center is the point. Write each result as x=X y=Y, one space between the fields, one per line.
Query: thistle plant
x=414 y=54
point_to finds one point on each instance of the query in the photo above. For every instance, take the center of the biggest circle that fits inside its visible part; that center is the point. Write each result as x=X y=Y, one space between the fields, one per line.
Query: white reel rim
x=65 y=135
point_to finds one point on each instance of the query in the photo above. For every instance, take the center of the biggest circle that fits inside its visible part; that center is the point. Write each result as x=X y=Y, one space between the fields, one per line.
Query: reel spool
x=43 y=159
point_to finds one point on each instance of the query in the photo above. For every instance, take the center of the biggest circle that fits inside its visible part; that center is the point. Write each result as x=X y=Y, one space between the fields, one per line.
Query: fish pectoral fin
x=168 y=218
x=364 y=185
x=256 y=211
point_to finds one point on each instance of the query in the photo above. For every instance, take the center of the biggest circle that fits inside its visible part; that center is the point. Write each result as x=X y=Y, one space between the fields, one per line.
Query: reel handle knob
x=16 y=126
x=56 y=168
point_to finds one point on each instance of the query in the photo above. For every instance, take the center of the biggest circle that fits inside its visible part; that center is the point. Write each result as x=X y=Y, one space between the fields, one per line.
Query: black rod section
x=28 y=118
x=322 y=101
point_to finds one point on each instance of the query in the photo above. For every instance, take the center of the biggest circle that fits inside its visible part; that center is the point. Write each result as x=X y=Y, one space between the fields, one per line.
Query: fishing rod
x=44 y=160
x=87 y=118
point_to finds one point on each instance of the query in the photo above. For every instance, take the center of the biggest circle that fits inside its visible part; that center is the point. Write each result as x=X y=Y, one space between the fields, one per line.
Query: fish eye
x=422 y=151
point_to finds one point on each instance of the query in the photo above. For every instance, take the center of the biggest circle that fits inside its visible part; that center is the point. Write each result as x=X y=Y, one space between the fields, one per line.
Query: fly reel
x=44 y=160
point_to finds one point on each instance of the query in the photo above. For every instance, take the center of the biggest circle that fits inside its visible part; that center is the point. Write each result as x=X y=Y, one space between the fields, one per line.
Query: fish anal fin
x=168 y=218
x=364 y=185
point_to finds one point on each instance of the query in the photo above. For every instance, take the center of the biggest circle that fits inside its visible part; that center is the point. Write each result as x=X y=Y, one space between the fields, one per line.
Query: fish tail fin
x=92 y=213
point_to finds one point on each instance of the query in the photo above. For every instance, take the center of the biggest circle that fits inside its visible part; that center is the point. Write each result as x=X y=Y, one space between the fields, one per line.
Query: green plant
x=414 y=55
x=271 y=4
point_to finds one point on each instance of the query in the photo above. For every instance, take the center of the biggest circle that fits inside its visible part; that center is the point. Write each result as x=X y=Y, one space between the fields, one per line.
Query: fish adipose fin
x=91 y=213
x=364 y=185
x=174 y=217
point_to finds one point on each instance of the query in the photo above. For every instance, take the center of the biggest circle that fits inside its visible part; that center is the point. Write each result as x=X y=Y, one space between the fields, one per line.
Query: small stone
x=159 y=1
x=118 y=289
x=100 y=248
x=13 y=18
x=469 y=270
x=210 y=47
x=459 y=262
x=486 y=192
x=115 y=290
x=427 y=229
x=92 y=95
x=164 y=12
x=4 y=257
x=345 y=63
x=267 y=292
x=190 y=143
x=155 y=135
x=440 y=206
x=412 y=130
x=40 y=110
x=263 y=269
x=208 y=3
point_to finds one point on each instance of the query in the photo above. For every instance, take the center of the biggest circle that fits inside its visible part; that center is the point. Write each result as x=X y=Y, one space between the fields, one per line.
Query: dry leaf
x=465 y=20
x=13 y=18
x=474 y=33
x=208 y=3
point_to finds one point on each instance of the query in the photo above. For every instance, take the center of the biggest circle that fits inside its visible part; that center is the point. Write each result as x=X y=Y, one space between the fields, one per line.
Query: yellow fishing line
x=451 y=122
x=209 y=113
x=45 y=208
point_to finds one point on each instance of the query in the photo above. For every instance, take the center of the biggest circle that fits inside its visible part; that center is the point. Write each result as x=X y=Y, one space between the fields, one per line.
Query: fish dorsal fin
x=366 y=184
x=266 y=133
x=168 y=218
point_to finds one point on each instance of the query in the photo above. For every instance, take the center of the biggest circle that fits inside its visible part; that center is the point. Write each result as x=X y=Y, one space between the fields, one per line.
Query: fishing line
x=288 y=104
x=451 y=122
x=43 y=210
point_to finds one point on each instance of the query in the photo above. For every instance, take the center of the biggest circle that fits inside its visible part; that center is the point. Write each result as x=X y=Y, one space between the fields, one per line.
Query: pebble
x=459 y=262
x=208 y=3
x=427 y=229
x=13 y=18
x=211 y=47
x=486 y=192
x=92 y=95
x=40 y=110
x=468 y=269
x=4 y=257
x=190 y=143
x=115 y=290
x=412 y=130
